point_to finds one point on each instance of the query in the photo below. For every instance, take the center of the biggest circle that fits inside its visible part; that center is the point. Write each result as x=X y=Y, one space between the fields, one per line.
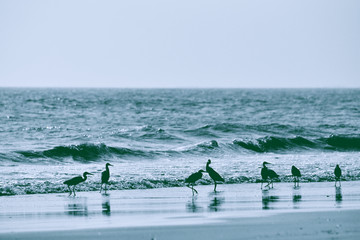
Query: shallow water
x=158 y=137
x=171 y=206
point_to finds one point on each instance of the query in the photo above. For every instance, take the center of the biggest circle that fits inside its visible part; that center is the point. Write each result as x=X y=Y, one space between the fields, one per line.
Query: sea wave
x=199 y=148
x=89 y=152
x=339 y=142
x=152 y=133
x=85 y=152
x=228 y=127
x=278 y=144
x=272 y=144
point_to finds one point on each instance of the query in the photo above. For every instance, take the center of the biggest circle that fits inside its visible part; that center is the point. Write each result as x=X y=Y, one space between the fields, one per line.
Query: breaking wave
x=85 y=152
x=89 y=152
x=277 y=144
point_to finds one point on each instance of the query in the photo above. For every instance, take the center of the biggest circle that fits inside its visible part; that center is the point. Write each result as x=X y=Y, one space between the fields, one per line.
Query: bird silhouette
x=192 y=179
x=213 y=174
x=296 y=174
x=75 y=181
x=105 y=175
x=337 y=173
x=268 y=175
x=264 y=174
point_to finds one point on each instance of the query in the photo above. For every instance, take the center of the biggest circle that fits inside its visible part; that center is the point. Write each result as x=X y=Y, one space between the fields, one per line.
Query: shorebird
x=337 y=173
x=105 y=175
x=296 y=174
x=192 y=179
x=75 y=181
x=213 y=174
x=266 y=174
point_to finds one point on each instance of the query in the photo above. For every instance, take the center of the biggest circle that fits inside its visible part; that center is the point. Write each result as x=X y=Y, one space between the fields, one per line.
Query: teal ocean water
x=157 y=137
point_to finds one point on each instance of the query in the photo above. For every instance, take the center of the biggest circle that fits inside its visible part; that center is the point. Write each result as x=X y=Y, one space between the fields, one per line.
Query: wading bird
x=75 y=181
x=337 y=173
x=268 y=175
x=192 y=179
x=105 y=175
x=264 y=174
x=213 y=174
x=296 y=174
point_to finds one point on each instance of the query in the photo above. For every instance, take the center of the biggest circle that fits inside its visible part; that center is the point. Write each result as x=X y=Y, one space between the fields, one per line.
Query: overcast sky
x=182 y=43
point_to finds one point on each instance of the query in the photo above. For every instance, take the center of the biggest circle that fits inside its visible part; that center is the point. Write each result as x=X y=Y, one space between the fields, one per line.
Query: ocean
x=157 y=137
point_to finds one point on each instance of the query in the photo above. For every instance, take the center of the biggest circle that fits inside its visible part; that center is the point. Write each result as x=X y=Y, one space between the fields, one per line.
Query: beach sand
x=237 y=211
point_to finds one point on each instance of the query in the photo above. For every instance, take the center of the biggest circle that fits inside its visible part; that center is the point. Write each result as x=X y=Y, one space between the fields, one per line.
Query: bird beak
x=90 y=174
x=111 y=165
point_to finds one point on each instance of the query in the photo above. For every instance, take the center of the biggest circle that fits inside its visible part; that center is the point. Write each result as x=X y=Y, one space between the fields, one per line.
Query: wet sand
x=237 y=211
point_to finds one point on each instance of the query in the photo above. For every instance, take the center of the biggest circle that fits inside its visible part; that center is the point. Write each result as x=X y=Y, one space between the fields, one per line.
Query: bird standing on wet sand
x=266 y=174
x=213 y=174
x=105 y=175
x=192 y=179
x=75 y=181
x=337 y=173
x=296 y=174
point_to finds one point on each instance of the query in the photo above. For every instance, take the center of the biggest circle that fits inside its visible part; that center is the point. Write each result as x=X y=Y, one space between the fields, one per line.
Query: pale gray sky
x=183 y=43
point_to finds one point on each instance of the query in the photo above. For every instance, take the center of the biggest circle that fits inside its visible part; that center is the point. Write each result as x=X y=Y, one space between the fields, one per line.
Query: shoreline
x=135 y=213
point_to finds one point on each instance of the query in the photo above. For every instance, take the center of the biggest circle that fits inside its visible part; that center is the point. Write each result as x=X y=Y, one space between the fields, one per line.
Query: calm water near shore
x=156 y=138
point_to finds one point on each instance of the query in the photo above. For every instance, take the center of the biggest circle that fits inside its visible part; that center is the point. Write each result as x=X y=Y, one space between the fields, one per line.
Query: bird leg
x=74 y=191
x=262 y=182
x=215 y=186
x=194 y=189
x=268 y=184
x=298 y=181
x=70 y=192
x=105 y=187
x=337 y=180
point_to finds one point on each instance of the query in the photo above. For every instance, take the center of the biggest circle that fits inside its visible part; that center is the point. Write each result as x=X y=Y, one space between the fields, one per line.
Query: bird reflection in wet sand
x=296 y=196
x=106 y=209
x=268 y=199
x=215 y=203
x=338 y=195
x=76 y=209
x=192 y=206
